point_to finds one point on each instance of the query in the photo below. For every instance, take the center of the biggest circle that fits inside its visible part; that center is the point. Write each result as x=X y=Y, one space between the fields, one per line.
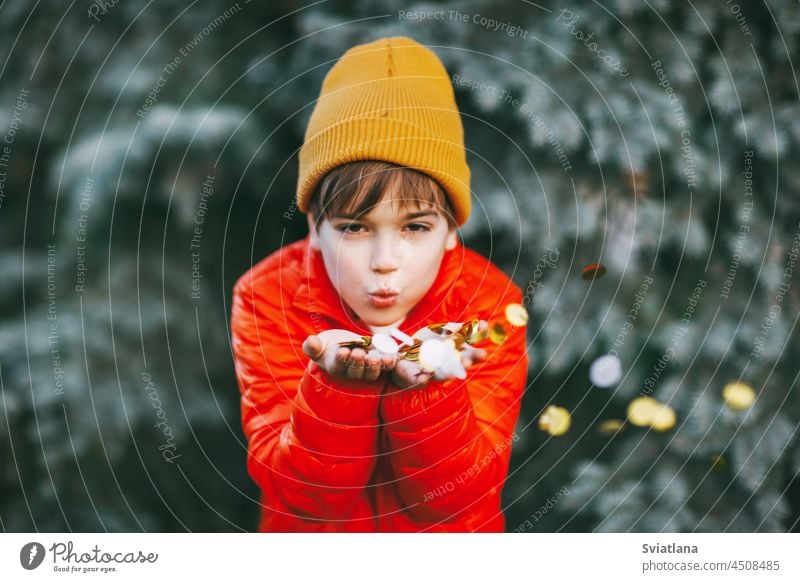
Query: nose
x=385 y=255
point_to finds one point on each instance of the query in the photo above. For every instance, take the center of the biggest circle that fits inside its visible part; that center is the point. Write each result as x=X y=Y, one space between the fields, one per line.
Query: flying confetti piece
x=663 y=418
x=641 y=410
x=647 y=411
x=593 y=271
x=605 y=371
x=555 y=420
x=610 y=426
x=516 y=314
x=497 y=333
x=384 y=344
x=738 y=395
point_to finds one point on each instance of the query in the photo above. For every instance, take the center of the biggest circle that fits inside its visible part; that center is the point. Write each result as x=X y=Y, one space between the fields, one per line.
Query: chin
x=381 y=318
x=380 y=321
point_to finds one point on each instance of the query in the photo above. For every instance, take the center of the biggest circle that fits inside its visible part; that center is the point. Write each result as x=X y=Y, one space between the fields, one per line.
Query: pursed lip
x=383 y=298
x=384 y=293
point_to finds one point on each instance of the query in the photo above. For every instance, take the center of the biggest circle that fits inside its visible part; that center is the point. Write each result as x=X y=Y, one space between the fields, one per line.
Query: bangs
x=354 y=189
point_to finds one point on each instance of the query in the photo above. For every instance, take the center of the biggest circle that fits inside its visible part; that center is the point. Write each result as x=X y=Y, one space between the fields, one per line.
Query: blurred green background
x=657 y=138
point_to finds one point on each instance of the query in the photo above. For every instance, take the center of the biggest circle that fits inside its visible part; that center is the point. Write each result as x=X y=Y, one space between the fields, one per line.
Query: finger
x=340 y=359
x=312 y=347
x=422 y=379
x=355 y=367
x=470 y=356
x=398 y=377
x=406 y=374
x=403 y=369
x=388 y=362
x=373 y=367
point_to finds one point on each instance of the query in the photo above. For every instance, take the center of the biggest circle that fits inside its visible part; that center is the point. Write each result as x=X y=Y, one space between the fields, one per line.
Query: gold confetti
x=516 y=314
x=647 y=411
x=411 y=353
x=610 y=426
x=593 y=271
x=442 y=329
x=455 y=333
x=663 y=418
x=738 y=395
x=497 y=333
x=470 y=331
x=480 y=334
x=364 y=343
x=555 y=420
x=641 y=410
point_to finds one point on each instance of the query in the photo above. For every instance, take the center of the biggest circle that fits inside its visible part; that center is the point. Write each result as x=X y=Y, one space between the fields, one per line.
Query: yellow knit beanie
x=389 y=100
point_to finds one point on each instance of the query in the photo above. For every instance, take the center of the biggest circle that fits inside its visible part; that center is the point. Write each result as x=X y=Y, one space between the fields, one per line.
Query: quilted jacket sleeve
x=451 y=440
x=311 y=440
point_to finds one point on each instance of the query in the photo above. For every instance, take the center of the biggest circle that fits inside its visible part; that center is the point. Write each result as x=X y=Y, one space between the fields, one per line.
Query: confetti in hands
x=344 y=354
x=438 y=351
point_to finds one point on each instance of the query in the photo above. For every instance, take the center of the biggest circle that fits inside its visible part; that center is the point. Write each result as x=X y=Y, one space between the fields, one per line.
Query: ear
x=312 y=232
x=451 y=240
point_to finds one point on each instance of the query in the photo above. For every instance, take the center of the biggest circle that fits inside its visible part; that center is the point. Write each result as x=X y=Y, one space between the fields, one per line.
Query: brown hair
x=356 y=187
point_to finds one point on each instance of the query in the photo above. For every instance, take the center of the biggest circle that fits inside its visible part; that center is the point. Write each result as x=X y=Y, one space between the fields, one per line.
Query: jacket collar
x=317 y=296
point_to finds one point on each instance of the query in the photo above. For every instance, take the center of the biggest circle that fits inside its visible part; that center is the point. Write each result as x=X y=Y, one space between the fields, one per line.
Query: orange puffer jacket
x=333 y=455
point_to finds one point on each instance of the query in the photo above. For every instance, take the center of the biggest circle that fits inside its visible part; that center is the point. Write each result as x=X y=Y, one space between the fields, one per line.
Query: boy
x=343 y=439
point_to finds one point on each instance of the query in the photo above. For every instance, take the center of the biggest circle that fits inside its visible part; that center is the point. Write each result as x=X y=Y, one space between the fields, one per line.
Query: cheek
x=352 y=271
x=345 y=269
x=423 y=268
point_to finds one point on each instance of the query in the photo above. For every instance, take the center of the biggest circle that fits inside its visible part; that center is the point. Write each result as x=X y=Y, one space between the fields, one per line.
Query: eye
x=418 y=227
x=350 y=228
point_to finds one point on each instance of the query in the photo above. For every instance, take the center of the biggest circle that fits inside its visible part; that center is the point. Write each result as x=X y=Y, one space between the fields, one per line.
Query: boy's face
x=383 y=262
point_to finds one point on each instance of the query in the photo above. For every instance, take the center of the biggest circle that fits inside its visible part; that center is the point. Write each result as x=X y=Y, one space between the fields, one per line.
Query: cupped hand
x=408 y=374
x=343 y=362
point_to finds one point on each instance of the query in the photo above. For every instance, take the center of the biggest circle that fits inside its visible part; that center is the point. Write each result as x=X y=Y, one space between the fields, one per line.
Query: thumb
x=312 y=347
x=478 y=355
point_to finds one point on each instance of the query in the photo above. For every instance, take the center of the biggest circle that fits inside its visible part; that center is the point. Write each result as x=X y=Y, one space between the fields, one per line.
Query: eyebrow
x=408 y=216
